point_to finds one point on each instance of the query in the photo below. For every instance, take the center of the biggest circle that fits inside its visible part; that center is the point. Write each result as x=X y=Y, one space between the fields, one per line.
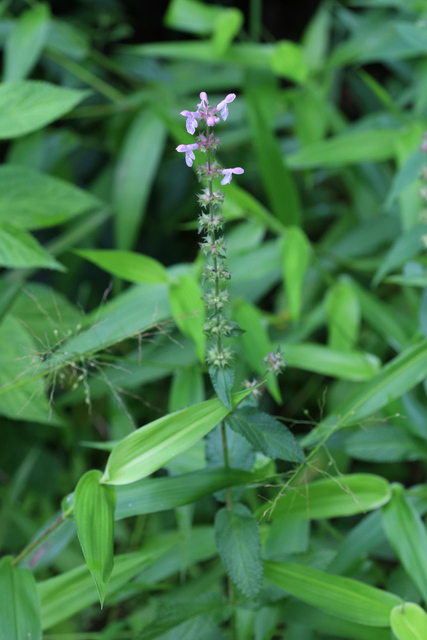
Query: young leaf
x=266 y=434
x=19 y=250
x=409 y=622
x=127 y=265
x=296 y=259
x=149 y=448
x=25 y=42
x=94 y=505
x=20 y=606
x=222 y=381
x=239 y=546
x=407 y=535
x=341 y=597
x=28 y=105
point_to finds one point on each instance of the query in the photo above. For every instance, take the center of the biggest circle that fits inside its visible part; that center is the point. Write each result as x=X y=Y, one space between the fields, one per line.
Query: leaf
x=266 y=434
x=185 y=298
x=150 y=447
x=407 y=246
x=407 y=174
x=343 y=311
x=135 y=173
x=239 y=547
x=127 y=265
x=222 y=381
x=407 y=535
x=385 y=444
x=409 y=622
x=342 y=597
x=278 y=182
x=288 y=61
x=19 y=250
x=28 y=105
x=187 y=388
x=66 y=594
x=296 y=259
x=25 y=42
x=397 y=377
x=151 y=495
x=94 y=506
x=34 y=200
x=334 y=497
x=20 y=606
x=349 y=148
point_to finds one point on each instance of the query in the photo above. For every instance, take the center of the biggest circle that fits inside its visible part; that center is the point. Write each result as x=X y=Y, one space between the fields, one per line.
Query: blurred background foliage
x=325 y=235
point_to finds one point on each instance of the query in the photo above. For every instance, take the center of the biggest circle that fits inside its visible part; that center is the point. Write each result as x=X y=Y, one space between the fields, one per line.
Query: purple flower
x=227 y=173
x=223 y=106
x=189 y=152
x=191 y=123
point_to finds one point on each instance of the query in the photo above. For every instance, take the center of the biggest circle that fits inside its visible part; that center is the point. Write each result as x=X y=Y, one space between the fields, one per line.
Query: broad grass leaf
x=20 y=605
x=409 y=622
x=133 y=267
x=342 y=597
x=277 y=181
x=150 y=447
x=397 y=377
x=34 y=200
x=385 y=444
x=222 y=381
x=25 y=42
x=288 y=61
x=365 y=536
x=296 y=259
x=407 y=535
x=94 y=506
x=187 y=388
x=239 y=204
x=344 y=314
x=239 y=546
x=334 y=497
x=136 y=169
x=72 y=591
x=28 y=105
x=66 y=38
x=266 y=434
x=20 y=250
x=151 y=495
x=407 y=246
x=185 y=299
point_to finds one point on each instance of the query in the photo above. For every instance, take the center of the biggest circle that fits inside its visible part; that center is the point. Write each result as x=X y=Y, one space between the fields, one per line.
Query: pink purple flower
x=206 y=112
x=189 y=152
x=227 y=173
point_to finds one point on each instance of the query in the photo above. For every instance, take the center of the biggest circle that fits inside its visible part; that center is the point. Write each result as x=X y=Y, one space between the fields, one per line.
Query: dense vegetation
x=145 y=467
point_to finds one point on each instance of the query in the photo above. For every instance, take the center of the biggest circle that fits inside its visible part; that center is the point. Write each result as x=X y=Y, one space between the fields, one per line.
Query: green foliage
x=20 y=603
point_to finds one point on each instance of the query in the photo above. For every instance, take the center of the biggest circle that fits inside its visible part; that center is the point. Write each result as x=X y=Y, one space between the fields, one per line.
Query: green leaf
x=185 y=298
x=409 y=622
x=407 y=246
x=407 y=535
x=288 y=61
x=25 y=42
x=342 y=597
x=222 y=381
x=385 y=444
x=227 y=25
x=150 y=447
x=127 y=265
x=34 y=200
x=66 y=594
x=343 y=311
x=94 y=506
x=363 y=538
x=397 y=377
x=349 y=148
x=20 y=606
x=266 y=434
x=239 y=547
x=278 y=182
x=334 y=497
x=296 y=259
x=19 y=250
x=187 y=388
x=151 y=495
x=136 y=169
x=28 y=105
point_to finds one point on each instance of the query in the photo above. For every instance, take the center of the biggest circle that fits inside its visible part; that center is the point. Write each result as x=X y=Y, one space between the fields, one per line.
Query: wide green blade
x=127 y=265
x=25 y=43
x=409 y=622
x=20 y=606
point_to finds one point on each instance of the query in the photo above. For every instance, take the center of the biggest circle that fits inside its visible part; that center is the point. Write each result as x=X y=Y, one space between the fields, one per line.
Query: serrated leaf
x=149 y=448
x=342 y=597
x=25 y=42
x=20 y=605
x=239 y=547
x=28 y=105
x=133 y=267
x=222 y=381
x=409 y=622
x=296 y=259
x=19 y=250
x=266 y=434
x=94 y=506
x=407 y=535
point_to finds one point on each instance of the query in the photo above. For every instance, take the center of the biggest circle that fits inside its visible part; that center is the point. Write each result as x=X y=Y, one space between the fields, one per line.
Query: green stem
x=35 y=543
